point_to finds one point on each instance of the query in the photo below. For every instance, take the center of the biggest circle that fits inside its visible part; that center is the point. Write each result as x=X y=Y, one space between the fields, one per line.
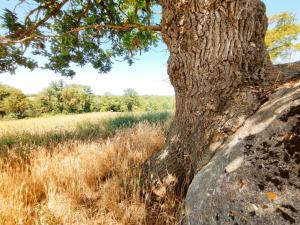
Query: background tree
x=50 y=99
x=108 y=103
x=13 y=101
x=76 y=99
x=60 y=98
x=131 y=99
x=282 y=38
x=157 y=103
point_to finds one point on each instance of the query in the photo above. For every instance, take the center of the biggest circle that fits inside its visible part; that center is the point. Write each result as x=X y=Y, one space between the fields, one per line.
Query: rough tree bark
x=219 y=67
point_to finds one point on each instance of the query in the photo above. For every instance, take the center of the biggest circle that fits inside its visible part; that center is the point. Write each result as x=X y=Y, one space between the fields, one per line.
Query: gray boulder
x=254 y=178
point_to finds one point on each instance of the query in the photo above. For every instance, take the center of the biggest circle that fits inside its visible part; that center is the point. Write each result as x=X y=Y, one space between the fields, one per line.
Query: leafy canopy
x=76 y=31
x=282 y=36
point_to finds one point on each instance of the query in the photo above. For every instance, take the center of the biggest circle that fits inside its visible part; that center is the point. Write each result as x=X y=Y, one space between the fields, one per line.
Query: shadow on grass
x=85 y=130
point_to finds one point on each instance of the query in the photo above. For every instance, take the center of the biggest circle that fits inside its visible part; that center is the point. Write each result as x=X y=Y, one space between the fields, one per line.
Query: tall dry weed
x=90 y=182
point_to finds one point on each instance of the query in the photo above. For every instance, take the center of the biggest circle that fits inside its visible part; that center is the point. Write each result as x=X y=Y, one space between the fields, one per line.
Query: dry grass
x=83 y=182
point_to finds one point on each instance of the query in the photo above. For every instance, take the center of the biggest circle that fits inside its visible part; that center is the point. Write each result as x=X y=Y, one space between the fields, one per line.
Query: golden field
x=56 y=123
x=88 y=179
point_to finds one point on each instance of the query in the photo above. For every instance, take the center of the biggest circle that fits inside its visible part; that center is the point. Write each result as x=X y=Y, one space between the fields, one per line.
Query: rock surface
x=254 y=178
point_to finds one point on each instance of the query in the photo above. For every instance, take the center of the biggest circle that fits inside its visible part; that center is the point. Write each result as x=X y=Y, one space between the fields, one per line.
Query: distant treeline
x=59 y=98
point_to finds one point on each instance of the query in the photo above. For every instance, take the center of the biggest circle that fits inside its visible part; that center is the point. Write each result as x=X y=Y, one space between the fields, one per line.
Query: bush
x=131 y=99
x=108 y=104
x=13 y=102
x=76 y=99
x=60 y=98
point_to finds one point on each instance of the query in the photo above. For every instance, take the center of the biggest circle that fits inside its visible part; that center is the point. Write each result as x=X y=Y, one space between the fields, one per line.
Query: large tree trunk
x=218 y=65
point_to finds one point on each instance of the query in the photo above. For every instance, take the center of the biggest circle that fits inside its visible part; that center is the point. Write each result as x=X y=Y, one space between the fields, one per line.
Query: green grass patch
x=131 y=120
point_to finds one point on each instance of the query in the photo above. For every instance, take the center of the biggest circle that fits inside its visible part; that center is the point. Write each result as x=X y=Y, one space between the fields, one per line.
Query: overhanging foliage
x=75 y=31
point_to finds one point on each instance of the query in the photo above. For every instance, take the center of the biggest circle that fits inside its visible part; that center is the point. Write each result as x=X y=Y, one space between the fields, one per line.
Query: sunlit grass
x=52 y=130
x=51 y=123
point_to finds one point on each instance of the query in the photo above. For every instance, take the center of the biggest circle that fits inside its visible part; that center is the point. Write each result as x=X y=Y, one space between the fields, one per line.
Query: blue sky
x=148 y=75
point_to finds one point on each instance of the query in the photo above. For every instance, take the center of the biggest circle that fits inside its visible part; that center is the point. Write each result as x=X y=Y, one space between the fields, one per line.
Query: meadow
x=80 y=169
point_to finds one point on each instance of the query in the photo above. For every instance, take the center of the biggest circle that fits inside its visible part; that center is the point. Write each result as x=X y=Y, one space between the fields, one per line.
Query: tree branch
x=6 y=41
x=85 y=10
x=31 y=29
